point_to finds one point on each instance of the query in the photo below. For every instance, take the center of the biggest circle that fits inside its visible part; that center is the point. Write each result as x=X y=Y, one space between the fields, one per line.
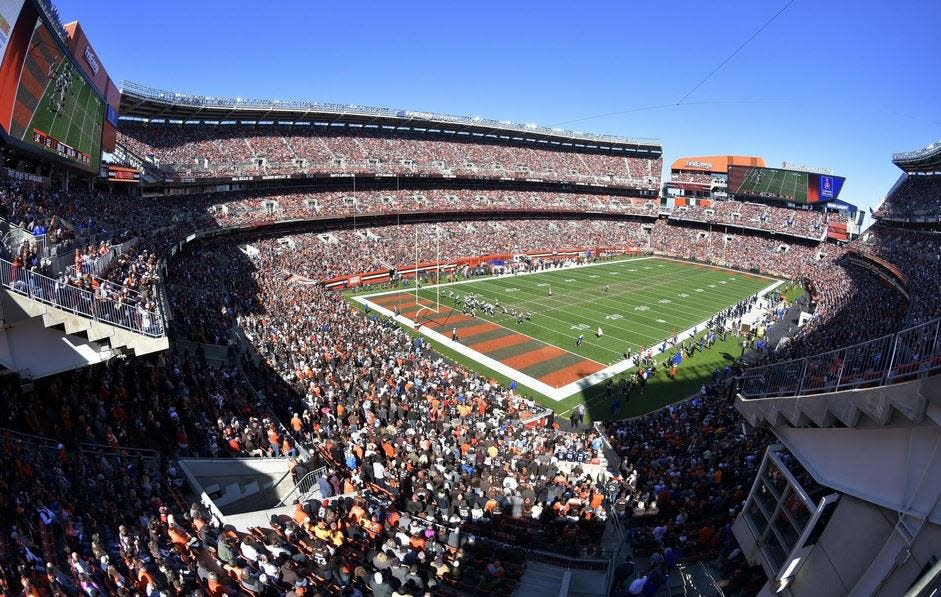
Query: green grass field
x=781 y=183
x=78 y=120
x=636 y=302
x=645 y=301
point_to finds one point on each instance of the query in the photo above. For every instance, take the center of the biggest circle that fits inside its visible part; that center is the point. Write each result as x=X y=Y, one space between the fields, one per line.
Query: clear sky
x=839 y=84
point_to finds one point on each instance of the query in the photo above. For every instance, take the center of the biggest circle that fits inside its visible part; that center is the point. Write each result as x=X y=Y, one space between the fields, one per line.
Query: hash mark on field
x=700 y=290
x=512 y=290
x=711 y=285
x=541 y=284
x=722 y=282
x=593 y=276
x=569 y=279
x=632 y=270
x=661 y=321
x=683 y=295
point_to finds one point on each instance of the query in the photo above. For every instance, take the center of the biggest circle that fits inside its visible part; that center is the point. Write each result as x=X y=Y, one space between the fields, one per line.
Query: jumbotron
x=261 y=347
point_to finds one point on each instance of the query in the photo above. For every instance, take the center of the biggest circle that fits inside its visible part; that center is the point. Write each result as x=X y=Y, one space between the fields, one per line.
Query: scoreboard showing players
x=792 y=186
x=46 y=103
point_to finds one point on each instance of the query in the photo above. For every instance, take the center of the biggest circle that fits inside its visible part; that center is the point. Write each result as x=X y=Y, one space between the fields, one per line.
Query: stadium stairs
x=896 y=404
x=38 y=339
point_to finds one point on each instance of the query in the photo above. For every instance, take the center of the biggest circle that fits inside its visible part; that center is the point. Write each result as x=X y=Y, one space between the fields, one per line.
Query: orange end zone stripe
x=532 y=357
x=505 y=341
x=471 y=331
x=567 y=375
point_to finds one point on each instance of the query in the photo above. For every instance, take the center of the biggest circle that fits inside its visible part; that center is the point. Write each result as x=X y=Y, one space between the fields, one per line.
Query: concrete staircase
x=96 y=331
x=543 y=580
x=38 y=339
x=870 y=407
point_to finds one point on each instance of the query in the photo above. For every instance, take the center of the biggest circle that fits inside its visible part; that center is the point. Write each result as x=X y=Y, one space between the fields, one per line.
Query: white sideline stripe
x=622 y=366
x=514 y=374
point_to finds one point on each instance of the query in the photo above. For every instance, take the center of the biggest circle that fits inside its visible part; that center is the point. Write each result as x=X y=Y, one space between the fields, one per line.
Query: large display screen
x=45 y=101
x=9 y=10
x=793 y=186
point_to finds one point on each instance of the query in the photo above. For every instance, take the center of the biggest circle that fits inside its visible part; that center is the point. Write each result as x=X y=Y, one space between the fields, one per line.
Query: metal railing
x=924 y=152
x=304 y=486
x=909 y=354
x=79 y=301
x=97 y=266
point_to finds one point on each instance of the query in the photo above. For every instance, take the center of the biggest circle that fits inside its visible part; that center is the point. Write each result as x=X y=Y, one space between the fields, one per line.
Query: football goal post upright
x=428 y=305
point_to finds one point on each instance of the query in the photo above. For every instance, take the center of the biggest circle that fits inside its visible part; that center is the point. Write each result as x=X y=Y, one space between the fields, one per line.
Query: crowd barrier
x=908 y=354
x=80 y=301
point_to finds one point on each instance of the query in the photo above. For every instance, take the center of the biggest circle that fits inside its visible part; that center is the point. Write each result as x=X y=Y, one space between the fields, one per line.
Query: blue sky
x=840 y=84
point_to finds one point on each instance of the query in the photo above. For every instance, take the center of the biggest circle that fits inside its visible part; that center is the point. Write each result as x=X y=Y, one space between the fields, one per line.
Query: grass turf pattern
x=645 y=300
x=635 y=302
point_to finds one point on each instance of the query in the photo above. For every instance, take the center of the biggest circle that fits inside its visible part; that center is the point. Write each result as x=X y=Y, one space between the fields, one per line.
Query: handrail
x=79 y=301
x=303 y=486
x=911 y=353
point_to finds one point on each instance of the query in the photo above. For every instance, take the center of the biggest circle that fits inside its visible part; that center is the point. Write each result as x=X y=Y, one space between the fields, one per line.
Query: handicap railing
x=80 y=301
x=908 y=354
x=304 y=486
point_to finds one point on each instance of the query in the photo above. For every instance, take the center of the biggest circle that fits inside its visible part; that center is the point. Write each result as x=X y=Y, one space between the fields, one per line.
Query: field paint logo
x=642 y=308
x=581 y=327
x=614 y=316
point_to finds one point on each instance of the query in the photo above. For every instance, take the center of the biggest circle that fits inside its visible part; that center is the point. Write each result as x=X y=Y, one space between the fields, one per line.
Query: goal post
x=428 y=304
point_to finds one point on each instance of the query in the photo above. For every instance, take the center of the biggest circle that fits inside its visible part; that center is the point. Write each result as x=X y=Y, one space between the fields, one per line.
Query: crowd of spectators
x=238 y=150
x=247 y=208
x=419 y=452
x=684 y=474
x=915 y=198
x=693 y=177
x=918 y=256
x=758 y=216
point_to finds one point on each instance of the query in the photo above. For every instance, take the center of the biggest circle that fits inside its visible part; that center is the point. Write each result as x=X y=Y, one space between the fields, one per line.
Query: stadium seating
x=422 y=441
x=202 y=151
x=794 y=222
x=916 y=198
x=694 y=177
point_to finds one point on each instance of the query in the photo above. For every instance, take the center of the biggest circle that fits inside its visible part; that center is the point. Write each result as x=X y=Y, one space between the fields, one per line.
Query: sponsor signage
x=91 y=60
x=41 y=138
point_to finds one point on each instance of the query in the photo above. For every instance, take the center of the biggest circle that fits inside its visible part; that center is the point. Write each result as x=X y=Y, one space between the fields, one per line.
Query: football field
x=636 y=304
x=780 y=183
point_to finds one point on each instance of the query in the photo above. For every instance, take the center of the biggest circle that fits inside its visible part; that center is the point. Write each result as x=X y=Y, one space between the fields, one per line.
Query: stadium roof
x=924 y=159
x=144 y=102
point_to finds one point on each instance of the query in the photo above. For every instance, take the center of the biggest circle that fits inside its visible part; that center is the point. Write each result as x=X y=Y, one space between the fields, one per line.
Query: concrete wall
x=240 y=485
x=897 y=467
x=861 y=553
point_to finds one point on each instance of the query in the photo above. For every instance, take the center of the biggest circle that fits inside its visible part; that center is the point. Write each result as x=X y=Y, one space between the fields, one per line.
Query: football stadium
x=284 y=347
